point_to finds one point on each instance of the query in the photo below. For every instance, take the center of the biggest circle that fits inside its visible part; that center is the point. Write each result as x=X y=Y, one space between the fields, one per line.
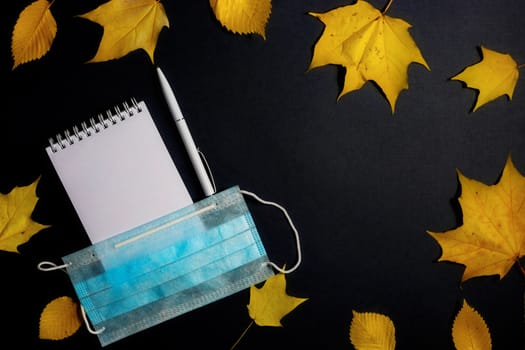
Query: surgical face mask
x=169 y=266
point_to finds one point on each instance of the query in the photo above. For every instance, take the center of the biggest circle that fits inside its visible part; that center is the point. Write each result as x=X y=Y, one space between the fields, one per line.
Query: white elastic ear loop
x=208 y=169
x=50 y=266
x=88 y=326
x=296 y=233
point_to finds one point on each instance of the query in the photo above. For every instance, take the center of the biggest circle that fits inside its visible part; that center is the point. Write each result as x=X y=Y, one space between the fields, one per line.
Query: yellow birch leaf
x=33 y=33
x=243 y=16
x=494 y=76
x=16 y=225
x=492 y=236
x=128 y=26
x=270 y=303
x=60 y=319
x=372 y=331
x=370 y=46
x=470 y=332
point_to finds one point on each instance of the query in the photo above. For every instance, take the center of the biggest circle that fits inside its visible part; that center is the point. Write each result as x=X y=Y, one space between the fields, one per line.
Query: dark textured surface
x=361 y=184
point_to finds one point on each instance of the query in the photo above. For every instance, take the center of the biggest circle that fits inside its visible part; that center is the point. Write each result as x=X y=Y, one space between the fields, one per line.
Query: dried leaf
x=243 y=16
x=470 y=332
x=270 y=303
x=372 y=331
x=370 y=46
x=494 y=76
x=60 y=319
x=128 y=26
x=34 y=32
x=16 y=225
x=492 y=236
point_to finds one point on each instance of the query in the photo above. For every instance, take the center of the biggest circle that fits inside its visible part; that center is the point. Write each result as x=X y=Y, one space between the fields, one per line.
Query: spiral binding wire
x=94 y=125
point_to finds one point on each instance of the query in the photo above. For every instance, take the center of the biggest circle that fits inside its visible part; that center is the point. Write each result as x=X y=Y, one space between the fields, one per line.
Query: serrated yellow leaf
x=243 y=16
x=270 y=303
x=494 y=76
x=370 y=46
x=492 y=236
x=470 y=332
x=34 y=32
x=16 y=225
x=372 y=331
x=128 y=26
x=60 y=319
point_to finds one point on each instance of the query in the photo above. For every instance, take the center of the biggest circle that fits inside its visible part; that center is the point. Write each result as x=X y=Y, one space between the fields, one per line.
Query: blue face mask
x=169 y=266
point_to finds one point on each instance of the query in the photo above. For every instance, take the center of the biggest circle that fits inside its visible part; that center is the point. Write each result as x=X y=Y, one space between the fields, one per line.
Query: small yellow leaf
x=492 y=236
x=33 y=33
x=370 y=46
x=470 y=332
x=372 y=331
x=243 y=16
x=60 y=319
x=494 y=76
x=16 y=225
x=270 y=303
x=128 y=26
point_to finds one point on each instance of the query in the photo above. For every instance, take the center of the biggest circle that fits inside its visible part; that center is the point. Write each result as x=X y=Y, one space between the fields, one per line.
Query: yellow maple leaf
x=128 y=26
x=243 y=16
x=370 y=46
x=372 y=331
x=16 y=225
x=59 y=319
x=494 y=76
x=34 y=32
x=492 y=236
x=270 y=303
x=470 y=332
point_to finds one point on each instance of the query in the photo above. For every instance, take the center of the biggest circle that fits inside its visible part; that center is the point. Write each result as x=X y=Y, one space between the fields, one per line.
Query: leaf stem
x=521 y=66
x=520 y=265
x=387 y=6
x=242 y=335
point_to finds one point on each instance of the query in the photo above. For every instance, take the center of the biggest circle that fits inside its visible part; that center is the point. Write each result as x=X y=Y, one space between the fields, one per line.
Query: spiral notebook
x=117 y=171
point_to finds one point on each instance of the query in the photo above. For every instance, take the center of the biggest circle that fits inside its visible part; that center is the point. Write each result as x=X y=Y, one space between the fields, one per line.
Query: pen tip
x=160 y=73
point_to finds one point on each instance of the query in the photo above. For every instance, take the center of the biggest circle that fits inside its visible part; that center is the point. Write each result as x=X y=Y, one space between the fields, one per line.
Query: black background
x=361 y=184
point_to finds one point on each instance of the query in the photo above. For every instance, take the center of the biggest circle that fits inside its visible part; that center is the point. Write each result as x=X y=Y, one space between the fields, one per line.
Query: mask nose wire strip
x=294 y=229
x=50 y=266
x=166 y=225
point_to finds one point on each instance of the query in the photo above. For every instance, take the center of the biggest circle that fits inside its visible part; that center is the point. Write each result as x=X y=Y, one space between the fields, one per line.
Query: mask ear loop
x=208 y=169
x=294 y=229
x=88 y=326
x=50 y=266
x=253 y=195
x=47 y=266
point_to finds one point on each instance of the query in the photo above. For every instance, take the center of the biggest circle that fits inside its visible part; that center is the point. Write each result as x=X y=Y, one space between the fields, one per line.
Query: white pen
x=185 y=134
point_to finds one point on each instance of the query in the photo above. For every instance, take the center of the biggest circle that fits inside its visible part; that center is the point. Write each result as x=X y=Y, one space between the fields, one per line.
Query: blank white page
x=119 y=177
